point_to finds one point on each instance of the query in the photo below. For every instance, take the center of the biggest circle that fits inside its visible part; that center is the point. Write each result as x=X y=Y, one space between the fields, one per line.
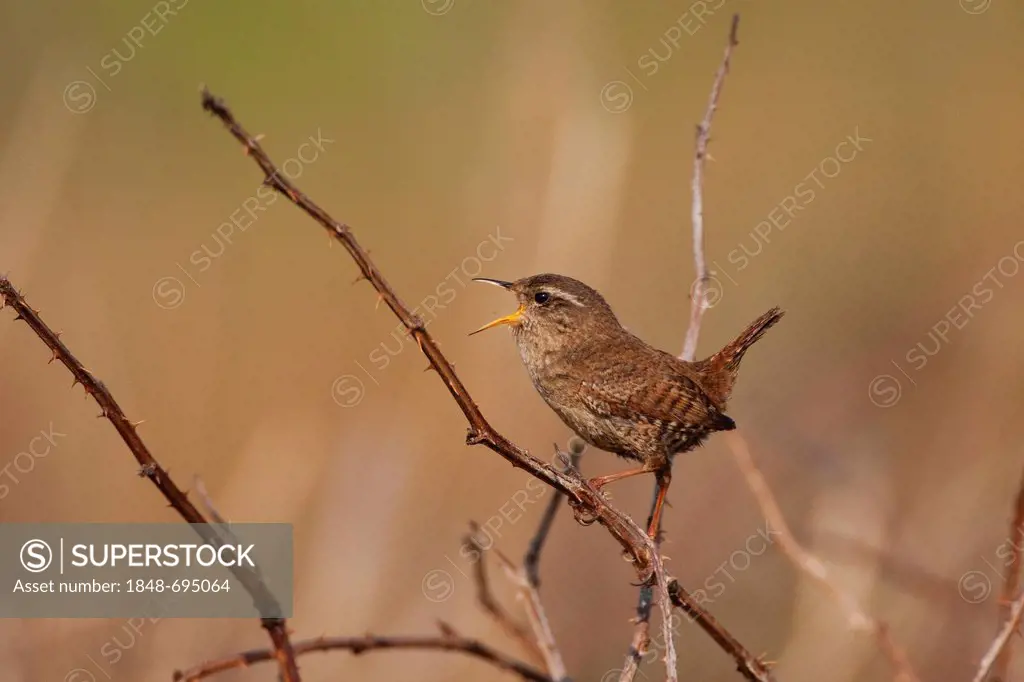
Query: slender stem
x=531 y=561
x=698 y=302
x=528 y=577
x=1001 y=642
x=490 y=605
x=369 y=643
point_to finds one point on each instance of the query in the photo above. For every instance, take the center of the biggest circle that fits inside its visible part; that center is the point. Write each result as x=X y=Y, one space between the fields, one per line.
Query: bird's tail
x=720 y=369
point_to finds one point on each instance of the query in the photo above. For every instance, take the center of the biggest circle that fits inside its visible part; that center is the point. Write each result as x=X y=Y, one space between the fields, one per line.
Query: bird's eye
x=542 y=297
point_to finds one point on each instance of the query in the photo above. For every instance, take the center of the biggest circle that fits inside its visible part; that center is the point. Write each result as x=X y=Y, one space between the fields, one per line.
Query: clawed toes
x=582 y=516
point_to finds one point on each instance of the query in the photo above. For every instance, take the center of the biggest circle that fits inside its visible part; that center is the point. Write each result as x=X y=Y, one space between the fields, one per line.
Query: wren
x=612 y=389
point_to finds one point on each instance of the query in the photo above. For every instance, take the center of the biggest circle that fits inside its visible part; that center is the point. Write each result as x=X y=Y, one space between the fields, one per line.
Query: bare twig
x=538 y=619
x=751 y=667
x=1001 y=642
x=857 y=618
x=1011 y=587
x=531 y=561
x=527 y=578
x=263 y=599
x=489 y=603
x=698 y=304
x=665 y=606
x=527 y=581
x=448 y=641
x=583 y=497
x=641 y=634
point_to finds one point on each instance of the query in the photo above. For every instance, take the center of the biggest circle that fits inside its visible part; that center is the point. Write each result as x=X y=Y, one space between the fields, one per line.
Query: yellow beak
x=512 y=319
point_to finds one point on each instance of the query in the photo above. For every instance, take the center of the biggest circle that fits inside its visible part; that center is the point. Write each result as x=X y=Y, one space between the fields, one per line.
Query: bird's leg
x=599 y=482
x=664 y=478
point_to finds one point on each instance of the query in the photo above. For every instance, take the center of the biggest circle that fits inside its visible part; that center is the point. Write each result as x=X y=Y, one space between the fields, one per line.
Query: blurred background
x=866 y=177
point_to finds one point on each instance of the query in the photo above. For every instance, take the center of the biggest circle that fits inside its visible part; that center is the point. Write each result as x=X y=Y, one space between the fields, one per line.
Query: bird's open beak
x=496 y=282
x=512 y=319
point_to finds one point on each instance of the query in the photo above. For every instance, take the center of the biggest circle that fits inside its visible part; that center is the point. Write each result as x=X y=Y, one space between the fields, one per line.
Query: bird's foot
x=582 y=516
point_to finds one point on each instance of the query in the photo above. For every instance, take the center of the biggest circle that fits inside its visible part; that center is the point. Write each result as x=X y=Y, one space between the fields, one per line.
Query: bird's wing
x=649 y=388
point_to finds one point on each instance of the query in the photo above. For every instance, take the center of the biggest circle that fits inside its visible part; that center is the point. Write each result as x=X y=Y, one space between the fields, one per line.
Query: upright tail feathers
x=719 y=370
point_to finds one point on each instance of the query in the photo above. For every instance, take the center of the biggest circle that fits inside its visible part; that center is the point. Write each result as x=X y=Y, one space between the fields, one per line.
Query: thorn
x=53 y=356
x=376 y=306
x=250 y=144
x=18 y=317
x=446 y=629
x=102 y=414
x=361 y=276
x=137 y=424
x=74 y=382
x=34 y=310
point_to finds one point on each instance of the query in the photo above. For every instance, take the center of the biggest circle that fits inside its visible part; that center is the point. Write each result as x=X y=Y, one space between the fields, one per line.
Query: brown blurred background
x=459 y=138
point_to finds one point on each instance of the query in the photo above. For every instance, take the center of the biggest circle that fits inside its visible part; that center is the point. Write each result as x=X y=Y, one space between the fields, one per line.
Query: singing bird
x=612 y=389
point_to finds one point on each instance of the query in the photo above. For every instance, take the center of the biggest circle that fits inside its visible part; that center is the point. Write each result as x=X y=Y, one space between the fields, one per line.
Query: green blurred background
x=563 y=133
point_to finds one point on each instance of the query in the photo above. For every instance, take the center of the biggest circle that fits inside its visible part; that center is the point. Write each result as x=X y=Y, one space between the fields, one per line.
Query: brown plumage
x=615 y=391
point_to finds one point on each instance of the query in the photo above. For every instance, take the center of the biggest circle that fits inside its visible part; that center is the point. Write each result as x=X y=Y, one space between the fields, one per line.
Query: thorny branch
x=581 y=495
x=264 y=601
x=858 y=619
x=588 y=503
x=750 y=666
x=447 y=641
x=698 y=304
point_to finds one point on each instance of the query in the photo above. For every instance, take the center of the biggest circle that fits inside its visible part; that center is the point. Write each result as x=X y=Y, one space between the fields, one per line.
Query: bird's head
x=553 y=308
